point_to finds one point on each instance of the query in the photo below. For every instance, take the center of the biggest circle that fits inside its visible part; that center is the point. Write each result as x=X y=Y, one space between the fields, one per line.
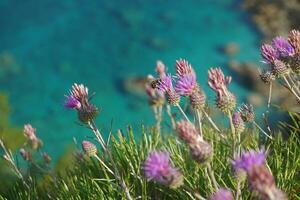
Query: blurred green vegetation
x=12 y=137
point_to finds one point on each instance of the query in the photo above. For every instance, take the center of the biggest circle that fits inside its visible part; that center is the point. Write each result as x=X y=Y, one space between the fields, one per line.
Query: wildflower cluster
x=260 y=179
x=123 y=161
x=282 y=58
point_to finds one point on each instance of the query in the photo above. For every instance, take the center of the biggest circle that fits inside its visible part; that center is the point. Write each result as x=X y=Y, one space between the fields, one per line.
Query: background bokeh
x=47 y=45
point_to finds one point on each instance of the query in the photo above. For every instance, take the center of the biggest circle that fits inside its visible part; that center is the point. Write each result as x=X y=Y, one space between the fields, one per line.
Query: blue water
x=99 y=43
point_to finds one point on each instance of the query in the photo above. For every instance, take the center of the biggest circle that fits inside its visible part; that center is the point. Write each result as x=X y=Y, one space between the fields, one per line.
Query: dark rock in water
x=133 y=86
x=231 y=49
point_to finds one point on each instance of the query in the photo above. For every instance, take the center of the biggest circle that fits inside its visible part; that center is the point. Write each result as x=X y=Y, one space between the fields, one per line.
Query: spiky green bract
x=87 y=179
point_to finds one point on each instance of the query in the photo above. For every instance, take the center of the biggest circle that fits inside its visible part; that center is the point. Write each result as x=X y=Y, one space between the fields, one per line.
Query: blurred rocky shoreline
x=274 y=17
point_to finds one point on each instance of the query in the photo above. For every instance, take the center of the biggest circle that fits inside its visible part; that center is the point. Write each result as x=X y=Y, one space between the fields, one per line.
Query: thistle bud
x=187 y=132
x=201 y=151
x=238 y=123
x=89 y=148
x=226 y=103
x=172 y=97
x=197 y=100
x=267 y=77
x=279 y=68
x=87 y=113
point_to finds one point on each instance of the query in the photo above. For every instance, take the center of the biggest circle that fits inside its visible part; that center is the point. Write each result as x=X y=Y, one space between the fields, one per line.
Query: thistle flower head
x=294 y=39
x=261 y=181
x=186 y=84
x=157 y=167
x=79 y=92
x=249 y=159
x=218 y=82
x=72 y=102
x=160 y=68
x=187 y=132
x=165 y=83
x=283 y=47
x=238 y=123
x=267 y=76
x=269 y=53
x=29 y=132
x=201 y=151
x=89 y=148
x=222 y=194
x=247 y=112
x=183 y=67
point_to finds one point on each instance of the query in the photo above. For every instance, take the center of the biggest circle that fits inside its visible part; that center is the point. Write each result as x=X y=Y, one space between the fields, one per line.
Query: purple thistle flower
x=165 y=83
x=249 y=159
x=269 y=53
x=80 y=92
x=157 y=168
x=186 y=84
x=218 y=82
x=283 y=47
x=72 y=102
x=294 y=39
x=183 y=67
x=222 y=194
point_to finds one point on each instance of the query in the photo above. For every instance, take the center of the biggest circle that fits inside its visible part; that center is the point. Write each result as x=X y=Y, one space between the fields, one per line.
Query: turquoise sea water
x=98 y=43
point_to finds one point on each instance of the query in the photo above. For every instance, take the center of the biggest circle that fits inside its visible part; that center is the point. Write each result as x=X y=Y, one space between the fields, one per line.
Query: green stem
x=266 y=134
x=233 y=133
x=212 y=176
x=182 y=112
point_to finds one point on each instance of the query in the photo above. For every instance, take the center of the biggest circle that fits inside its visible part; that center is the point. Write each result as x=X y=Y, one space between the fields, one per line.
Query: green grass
x=86 y=179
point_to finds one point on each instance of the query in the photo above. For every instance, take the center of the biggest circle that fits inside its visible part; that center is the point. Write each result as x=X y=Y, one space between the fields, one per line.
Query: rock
x=134 y=86
x=157 y=43
x=231 y=49
x=256 y=100
x=8 y=64
x=274 y=18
